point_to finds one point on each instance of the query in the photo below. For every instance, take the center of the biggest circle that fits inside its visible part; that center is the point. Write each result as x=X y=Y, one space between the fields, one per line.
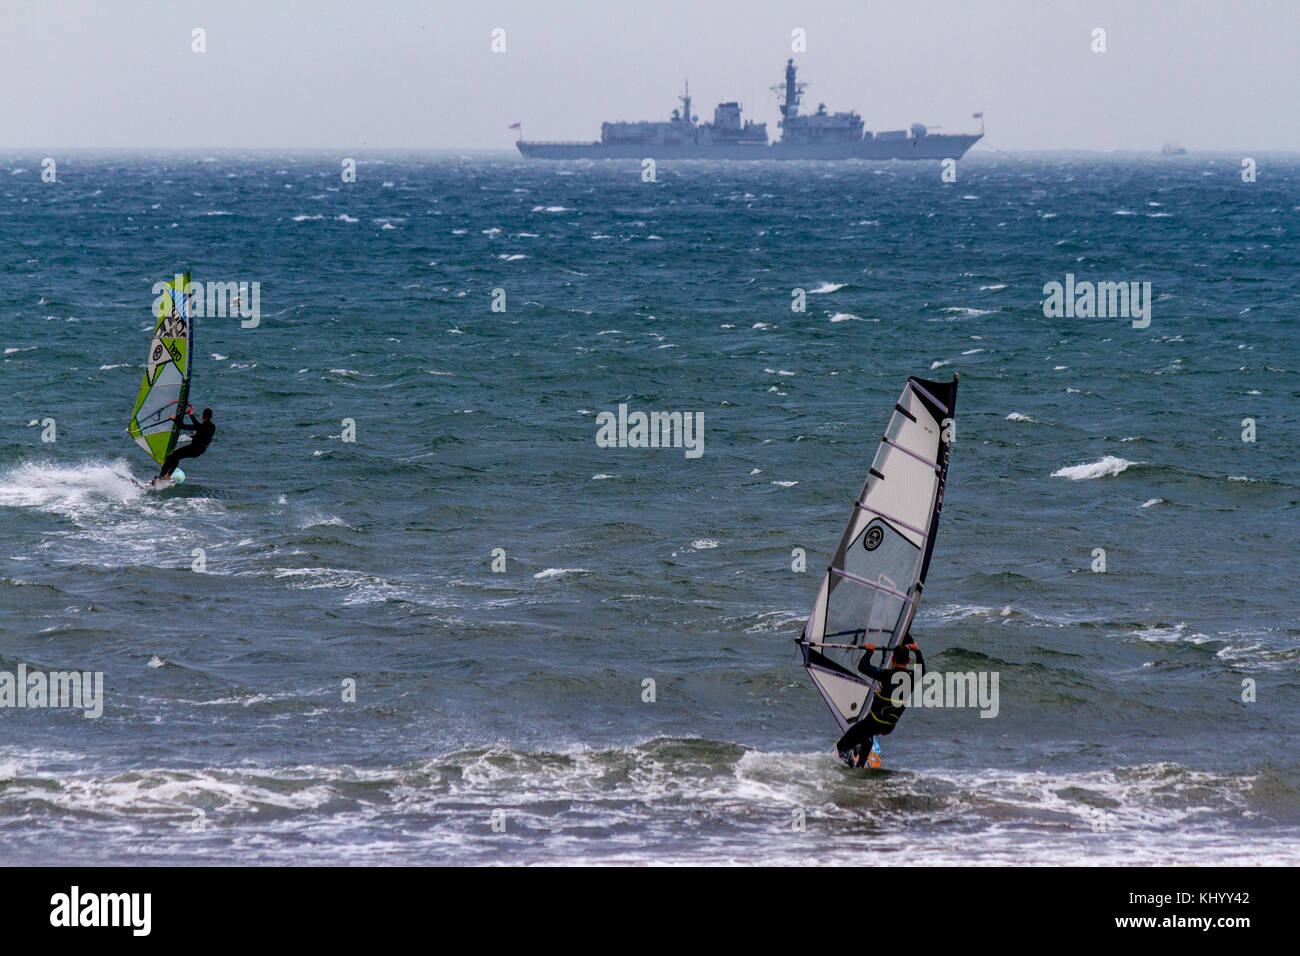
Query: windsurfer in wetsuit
x=203 y=432
x=882 y=716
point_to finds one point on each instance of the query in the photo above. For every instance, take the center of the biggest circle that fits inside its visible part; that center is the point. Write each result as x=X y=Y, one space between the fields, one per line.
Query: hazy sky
x=384 y=73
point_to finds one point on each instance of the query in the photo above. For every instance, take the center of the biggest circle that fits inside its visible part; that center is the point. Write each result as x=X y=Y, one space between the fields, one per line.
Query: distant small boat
x=1173 y=149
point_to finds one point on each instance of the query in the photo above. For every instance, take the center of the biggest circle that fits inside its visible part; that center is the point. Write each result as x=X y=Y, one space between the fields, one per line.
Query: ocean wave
x=956 y=310
x=557 y=572
x=1104 y=467
x=67 y=489
x=578 y=804
x=827 y=287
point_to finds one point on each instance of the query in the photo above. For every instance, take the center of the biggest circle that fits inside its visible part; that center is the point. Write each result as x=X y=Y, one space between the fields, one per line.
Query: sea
x=407 y=609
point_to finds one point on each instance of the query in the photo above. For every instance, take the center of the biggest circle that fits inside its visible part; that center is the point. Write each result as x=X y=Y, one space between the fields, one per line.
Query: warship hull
x=930 y=146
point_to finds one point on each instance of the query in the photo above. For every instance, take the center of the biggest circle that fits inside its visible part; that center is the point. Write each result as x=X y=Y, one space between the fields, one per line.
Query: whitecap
x=556 y=572
x=1102 y=468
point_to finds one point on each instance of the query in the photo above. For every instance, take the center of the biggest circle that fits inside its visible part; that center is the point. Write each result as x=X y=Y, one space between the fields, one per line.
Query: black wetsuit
x=882 y=716
x=203 y=432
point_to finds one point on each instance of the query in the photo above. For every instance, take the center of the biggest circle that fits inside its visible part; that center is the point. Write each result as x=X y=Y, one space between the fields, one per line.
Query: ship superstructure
x=819 y=135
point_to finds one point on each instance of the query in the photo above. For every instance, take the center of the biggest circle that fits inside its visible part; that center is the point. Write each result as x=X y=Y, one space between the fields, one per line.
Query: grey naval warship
x=819 y=135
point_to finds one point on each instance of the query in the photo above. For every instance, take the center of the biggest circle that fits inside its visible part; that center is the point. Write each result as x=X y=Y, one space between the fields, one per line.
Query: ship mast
x=686 y=103
x=793 y=93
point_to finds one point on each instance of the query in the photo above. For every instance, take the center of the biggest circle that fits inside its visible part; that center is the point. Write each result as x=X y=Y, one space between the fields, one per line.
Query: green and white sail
x=166 y=387
x=871 y=589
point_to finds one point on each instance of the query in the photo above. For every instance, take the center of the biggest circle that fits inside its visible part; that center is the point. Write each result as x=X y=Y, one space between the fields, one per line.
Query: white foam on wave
x=850 y=317
x=1017 y=417
x=556 y=572
x=67 y=488
x=322 y=519
x=827 y=287
x=1154 y=501
x=734 y=802
x=1171 y=634
x=361 y=588
x=1104 y=467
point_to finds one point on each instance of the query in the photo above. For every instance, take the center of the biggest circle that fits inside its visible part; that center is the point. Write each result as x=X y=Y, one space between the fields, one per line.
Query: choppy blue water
x=1121 y=735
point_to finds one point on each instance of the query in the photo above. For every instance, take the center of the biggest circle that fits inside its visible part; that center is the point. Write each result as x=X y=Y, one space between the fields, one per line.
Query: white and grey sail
x=871 y=589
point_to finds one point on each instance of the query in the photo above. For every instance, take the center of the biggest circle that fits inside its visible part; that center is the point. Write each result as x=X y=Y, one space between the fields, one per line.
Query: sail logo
x=1098 y=300
x=915 y=688
x=654 y=430
x=36 y=690
x=132 y=910
x=215 y=300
